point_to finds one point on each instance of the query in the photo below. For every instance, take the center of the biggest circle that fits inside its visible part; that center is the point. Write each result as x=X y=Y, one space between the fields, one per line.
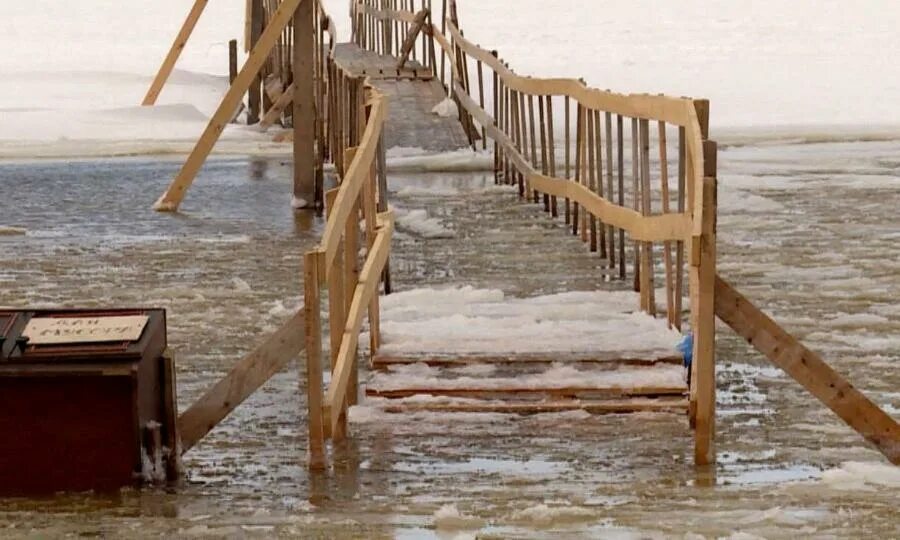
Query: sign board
x=67 y=330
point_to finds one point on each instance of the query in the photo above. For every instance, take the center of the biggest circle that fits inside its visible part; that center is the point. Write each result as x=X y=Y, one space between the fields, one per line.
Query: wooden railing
x=353 y=288
x=594 y=156
x=350 y=122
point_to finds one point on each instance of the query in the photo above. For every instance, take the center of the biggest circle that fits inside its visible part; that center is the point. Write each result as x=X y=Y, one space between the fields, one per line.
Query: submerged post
x=703 y=285
x=305 y=195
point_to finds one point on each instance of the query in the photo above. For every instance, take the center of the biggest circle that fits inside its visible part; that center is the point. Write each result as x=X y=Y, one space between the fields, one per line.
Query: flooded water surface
x=808 y=231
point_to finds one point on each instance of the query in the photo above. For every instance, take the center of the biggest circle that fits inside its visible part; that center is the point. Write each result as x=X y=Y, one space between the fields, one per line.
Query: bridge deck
x=412 y=93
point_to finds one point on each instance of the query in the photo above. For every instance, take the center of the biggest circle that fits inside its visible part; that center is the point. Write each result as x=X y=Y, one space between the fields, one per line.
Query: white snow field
x=74 y=75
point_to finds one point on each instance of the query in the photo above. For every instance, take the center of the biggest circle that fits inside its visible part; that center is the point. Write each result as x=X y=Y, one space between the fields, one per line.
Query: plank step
x=616 y=406
x=611 y=360
x=521 y=392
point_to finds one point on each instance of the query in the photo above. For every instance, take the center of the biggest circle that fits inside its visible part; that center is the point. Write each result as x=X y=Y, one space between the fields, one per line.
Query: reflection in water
x=816 y=246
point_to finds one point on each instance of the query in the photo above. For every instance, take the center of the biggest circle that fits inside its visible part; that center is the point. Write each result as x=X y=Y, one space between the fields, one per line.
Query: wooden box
x=87 y=401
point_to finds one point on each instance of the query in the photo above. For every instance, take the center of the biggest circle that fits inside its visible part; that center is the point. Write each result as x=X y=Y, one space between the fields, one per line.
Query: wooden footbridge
x=634 y=176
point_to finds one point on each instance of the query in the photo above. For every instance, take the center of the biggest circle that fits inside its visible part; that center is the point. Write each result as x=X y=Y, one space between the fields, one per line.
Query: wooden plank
x=277 y=109
x=357 y=174
x=171 y=199
x=594 y=407
x=613 y=360
x=165 y=70
x=513 y=391
x=314 y=384
x=667 y=246
x=809 y=369
x=703 y=380
x=409 y=42
x=247 y=376
x=648 y=285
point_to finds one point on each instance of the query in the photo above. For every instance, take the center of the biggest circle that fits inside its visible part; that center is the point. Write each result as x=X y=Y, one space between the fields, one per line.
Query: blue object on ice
x=686 y=348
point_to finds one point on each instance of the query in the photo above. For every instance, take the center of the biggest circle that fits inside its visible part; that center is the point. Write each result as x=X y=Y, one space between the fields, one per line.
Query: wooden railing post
x=703 y=285
x=314 y=389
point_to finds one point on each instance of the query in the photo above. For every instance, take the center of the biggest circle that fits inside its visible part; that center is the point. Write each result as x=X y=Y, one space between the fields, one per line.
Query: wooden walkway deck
x=412 y=94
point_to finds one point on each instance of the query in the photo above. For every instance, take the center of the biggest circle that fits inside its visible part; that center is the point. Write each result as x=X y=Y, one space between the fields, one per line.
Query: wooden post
x=174 y=52
x=232 y=61
x=305 y=195
x=255 y=96
x=314 y=390
x=667 y=245
x=620 y=162
x=648 y=288
x=703 y=283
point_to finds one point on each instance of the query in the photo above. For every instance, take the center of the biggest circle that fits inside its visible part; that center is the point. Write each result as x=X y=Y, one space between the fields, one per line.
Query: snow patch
x=862 y=475
x=449 y=518
x=446 y=109
x=417 y=222
x=542 y=515
x=465 y=320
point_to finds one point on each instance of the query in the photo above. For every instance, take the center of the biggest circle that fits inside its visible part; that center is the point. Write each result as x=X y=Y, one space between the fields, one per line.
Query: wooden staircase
x=528 y=384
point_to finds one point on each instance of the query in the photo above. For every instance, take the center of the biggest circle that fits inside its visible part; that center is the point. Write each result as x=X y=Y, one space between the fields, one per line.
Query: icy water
x=808 y=231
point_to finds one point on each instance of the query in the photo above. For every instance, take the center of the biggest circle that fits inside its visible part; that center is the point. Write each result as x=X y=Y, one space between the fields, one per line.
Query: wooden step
x=613 y=406
x=513 y=392
x=610 y=360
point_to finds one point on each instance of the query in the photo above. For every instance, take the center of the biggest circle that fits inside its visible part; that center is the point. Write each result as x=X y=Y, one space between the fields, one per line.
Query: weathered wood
x=171 y=199
x=612 y=360
x=703 y=380
x=314 y=385
x=247 y=376
x=254 y=92
x=369 y=278
x=648 y=287
x=304 y=117
x=232 y=61
x=653 y=228
x=277 y=109
x=667 y=246
x=165 y=70
x=611 y=406
x=809 y=369
x=506 y=392
x=409 y=42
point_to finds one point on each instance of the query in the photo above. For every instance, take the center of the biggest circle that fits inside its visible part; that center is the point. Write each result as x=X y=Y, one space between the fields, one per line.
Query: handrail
x=516 y=126
x=678 y=111
x=352 y=183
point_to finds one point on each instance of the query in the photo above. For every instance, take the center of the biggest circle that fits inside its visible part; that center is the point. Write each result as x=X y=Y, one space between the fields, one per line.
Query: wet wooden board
x=618 y=406
x=513 y=392
x=607 y=359
x=412 y=93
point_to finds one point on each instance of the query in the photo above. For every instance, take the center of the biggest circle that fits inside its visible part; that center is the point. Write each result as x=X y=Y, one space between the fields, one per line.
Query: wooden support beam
x=254 y=94
x=304 y=117
x=409 y=42
x=174 y=52
x=277 y=109
x=171 y=199
x=703 y=381
x=245 y=378
x=312 y=272
x=809 y=369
